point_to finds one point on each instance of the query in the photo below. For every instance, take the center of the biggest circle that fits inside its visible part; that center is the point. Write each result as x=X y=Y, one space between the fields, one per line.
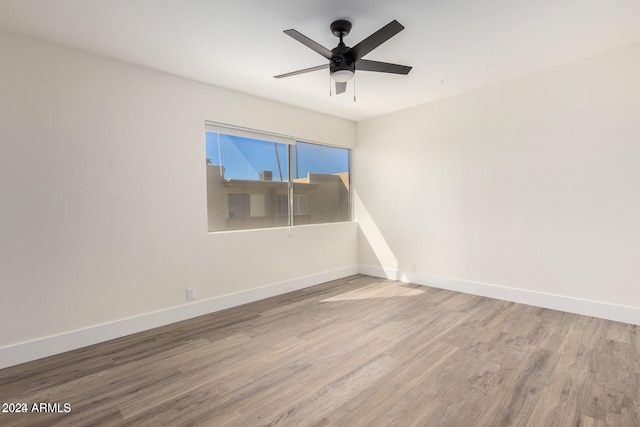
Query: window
x=257 y=180
x=320 y=184
x=238 y=205
x=299 y=204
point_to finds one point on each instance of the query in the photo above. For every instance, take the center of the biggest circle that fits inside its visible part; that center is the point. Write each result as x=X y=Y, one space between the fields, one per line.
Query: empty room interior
x=429 y=217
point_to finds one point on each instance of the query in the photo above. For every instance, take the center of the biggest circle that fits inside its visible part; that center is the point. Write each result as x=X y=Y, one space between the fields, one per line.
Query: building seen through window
x=259 y=180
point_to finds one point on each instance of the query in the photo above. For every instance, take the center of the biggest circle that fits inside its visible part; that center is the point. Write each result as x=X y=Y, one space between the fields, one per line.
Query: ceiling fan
x=345 y=60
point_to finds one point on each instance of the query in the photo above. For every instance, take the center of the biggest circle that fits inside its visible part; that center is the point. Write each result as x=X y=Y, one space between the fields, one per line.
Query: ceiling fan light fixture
x=342 y=76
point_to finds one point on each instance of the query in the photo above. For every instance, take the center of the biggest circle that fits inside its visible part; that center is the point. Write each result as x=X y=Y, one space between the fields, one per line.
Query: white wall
x=532 y=184
x=103 y=195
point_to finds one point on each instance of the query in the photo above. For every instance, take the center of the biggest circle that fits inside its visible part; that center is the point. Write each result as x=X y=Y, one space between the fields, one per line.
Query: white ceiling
x=453 y=45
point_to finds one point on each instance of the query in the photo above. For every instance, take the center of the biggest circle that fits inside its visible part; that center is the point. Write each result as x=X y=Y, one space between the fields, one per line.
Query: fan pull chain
x=354 y=87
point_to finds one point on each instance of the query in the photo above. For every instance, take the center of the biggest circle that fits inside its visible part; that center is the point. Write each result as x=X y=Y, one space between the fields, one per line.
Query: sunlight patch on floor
x=377 y=291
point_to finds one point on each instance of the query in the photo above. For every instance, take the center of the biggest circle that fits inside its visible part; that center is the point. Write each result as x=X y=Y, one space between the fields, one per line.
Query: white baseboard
x=48 y=346
x=603 y=310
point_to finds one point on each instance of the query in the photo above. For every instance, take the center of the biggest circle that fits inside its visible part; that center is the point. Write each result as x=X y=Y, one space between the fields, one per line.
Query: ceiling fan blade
x=306 y=70
x=376 y=39
x=340 y=87
x=382 y=67
x=309 y=43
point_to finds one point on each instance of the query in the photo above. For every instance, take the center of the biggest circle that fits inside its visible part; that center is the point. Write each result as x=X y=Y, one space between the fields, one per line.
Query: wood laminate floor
x=359 y=351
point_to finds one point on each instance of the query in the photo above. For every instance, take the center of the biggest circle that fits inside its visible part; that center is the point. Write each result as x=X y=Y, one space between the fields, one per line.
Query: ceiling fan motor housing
x=341 y=59
x=338 y=64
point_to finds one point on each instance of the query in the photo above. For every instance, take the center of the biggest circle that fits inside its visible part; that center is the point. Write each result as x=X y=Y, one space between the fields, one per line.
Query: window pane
x=320 y=184
x=246 y=181
x=248 y=159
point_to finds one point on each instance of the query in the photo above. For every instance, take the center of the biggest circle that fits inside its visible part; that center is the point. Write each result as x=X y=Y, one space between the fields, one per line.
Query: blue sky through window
x=244 y=158
x=319 y=159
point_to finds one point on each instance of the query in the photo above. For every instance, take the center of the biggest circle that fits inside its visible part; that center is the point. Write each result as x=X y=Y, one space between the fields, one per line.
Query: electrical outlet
x=413 y=268
x=191 y=294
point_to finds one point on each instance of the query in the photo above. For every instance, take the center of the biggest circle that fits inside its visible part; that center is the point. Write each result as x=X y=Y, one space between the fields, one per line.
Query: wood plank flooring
x=359 y=351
